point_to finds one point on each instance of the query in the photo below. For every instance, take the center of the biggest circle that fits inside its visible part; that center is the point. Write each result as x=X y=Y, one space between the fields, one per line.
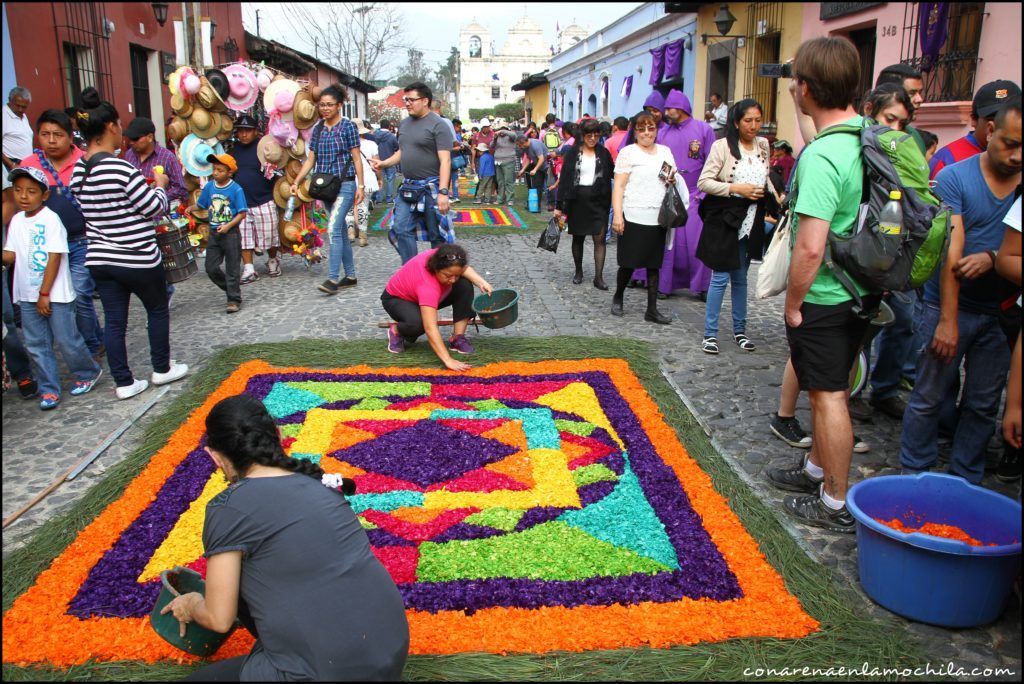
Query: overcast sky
x=434 y=26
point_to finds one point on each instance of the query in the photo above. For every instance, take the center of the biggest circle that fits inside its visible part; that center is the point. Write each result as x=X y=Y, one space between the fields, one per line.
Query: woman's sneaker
x=83 y=386
x=274 y=267
x=176 y=372
x=49 y=401
x=129 y=391
x=460 y=344
x=790 y=432
x=396 y=345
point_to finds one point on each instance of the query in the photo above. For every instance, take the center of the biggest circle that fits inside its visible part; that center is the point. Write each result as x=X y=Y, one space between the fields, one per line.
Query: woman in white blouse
x=636 y=200
x=735 y=178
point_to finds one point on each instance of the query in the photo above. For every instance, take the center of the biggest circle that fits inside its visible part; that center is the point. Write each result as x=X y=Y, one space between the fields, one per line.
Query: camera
x=784 y=70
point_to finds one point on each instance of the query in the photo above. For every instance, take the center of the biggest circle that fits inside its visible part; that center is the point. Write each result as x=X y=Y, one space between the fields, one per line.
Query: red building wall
x=38 y=30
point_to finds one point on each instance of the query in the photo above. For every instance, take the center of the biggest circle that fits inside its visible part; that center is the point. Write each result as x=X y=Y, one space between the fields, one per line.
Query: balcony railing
x=951 y=77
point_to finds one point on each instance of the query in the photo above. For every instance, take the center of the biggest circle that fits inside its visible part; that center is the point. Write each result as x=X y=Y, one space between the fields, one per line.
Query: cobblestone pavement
x=732 y=394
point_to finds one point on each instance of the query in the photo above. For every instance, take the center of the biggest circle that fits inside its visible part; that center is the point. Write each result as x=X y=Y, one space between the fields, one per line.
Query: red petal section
x=480 y=480
x=418 y=532
x=598 y=450
x=375 y=483
x=399 y=561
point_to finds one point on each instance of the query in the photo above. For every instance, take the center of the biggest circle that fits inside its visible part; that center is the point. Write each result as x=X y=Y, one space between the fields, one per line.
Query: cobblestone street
x=732 y=394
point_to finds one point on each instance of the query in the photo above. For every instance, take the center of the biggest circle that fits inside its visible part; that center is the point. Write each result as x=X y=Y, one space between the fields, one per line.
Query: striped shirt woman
x=119 y=208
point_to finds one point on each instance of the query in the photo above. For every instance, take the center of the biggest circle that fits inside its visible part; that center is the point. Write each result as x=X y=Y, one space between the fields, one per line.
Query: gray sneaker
x=811 y=510
x=794 y=479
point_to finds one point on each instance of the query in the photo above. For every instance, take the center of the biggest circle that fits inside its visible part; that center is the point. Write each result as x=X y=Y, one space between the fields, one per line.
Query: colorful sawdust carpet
x=498 y=217
x=519 y=507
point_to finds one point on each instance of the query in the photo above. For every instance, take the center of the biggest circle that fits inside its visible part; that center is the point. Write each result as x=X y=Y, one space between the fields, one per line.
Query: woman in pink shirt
x=430 y=281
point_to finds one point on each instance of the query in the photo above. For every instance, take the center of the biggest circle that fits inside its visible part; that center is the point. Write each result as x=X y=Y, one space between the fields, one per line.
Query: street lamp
x=213 y=29
x=160 y=10
x=724 y=20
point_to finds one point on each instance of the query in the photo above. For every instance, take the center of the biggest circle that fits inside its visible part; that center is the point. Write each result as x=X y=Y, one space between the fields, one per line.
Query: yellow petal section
x=578 y=398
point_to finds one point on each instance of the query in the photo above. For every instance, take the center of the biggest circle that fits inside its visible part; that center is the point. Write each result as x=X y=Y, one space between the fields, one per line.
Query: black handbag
x=324 y=187
x=673 y=212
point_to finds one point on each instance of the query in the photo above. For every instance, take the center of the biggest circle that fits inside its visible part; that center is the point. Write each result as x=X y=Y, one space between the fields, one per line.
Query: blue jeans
x=17 y=356
x=454 y=183
x=117 y=284
x=406 y=217
x=58 y=331
x=387 y=193
x=716 y=293
x=982 y=345
x=85 y=310
x=892 y=346
x=341 y=250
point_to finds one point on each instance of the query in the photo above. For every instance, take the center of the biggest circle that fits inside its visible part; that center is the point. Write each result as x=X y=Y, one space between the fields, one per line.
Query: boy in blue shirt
x=486 y=174
x=225 y=200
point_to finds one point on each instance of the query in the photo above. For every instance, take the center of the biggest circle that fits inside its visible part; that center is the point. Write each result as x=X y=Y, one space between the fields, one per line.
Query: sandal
x=709 y=345
x=744 y=342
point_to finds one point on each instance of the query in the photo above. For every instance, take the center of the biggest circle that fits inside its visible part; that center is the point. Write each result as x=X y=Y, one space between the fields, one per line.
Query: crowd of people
x=79 y=222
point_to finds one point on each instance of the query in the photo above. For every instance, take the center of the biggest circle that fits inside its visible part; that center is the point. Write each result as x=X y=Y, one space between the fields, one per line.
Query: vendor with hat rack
x=259 y=229
x=145 y=154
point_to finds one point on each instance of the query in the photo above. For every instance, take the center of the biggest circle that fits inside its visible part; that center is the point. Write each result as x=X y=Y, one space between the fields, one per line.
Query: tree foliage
x=448 y=74
x=415 y=69
x=510 y=111
x=361 y=39
x=477 y=114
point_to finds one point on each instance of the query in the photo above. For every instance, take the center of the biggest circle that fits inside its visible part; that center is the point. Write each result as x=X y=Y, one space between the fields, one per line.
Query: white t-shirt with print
x=33 y=239
x=369 y=150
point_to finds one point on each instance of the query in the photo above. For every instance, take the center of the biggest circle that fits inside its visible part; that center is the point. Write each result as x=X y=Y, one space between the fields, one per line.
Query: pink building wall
x=999 y=54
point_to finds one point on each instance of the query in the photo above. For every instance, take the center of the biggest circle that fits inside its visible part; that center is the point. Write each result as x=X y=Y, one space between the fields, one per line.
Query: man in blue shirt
x=387 y=145
x=962 y=306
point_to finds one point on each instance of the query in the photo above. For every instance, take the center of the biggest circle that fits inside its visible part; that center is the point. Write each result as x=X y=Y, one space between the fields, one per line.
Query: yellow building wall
x=791 y=26
x=538 y=99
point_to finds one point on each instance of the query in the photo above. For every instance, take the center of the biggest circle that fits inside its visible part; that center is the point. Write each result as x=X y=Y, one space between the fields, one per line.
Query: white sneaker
x=129 y=391
x=176 y=372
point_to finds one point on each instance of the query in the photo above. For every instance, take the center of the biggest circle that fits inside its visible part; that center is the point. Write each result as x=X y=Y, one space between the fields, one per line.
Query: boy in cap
x=225 y=200
x=259 y=229
x=485 y=170
x=35 y=246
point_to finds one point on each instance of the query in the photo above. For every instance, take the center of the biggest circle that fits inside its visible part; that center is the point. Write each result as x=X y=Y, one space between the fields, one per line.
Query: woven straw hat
x=304 y=110
x=289 y=232
x=204 y=123
x=199 y=214
x=227 y=125
x=298 y=150
x=291 y=169
x=269 y=151
x=303 y=191
x=208 y=97
x=177 y=129
x=282 y=191
x=181 y=106
x=174 y=80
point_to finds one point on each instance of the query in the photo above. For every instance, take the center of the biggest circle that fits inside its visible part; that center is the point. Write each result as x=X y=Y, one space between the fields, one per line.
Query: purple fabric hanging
x=604 y=88
x=579 y=98
x=933 y=21
x=674 y=59
x=657 y=64
x=627 y=87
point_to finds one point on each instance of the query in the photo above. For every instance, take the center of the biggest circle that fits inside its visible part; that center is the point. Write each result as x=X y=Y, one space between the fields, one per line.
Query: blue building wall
x=632 y=38
x=10 y=77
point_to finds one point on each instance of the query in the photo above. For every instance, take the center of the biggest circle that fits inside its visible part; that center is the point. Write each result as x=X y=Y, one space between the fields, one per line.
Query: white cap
x=485 y=122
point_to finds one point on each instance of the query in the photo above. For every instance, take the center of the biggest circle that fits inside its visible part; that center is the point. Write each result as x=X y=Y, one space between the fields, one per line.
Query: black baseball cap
x=139 y=127
x=991 y=97
x=245 y=121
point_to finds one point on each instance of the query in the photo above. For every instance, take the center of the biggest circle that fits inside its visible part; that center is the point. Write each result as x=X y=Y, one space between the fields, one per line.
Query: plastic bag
x=774 y=270
x=551 y=235
x=673 y=212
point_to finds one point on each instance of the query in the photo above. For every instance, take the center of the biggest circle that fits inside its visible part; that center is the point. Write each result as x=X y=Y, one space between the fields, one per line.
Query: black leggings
x=410 y=320
x=599 y=254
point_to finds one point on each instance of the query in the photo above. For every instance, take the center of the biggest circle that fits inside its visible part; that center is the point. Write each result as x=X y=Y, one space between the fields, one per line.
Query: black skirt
x=641 y=246
x=587 y=215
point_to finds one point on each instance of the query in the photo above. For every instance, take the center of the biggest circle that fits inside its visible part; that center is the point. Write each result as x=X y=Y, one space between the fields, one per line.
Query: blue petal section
x=284 y=400
x=538 y=424
x=625 y=518
x=385 y=502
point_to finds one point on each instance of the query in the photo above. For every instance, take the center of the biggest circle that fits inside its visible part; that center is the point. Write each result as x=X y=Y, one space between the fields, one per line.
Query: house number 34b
x=888 y=31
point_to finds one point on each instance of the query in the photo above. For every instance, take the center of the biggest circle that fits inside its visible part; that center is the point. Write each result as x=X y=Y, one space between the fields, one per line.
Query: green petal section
x=291 y=430
x=593 y=473
x=626 y=519
x=549 y=551
x=371 y=404
x=367 y=525
x=336 y=391
x=498 y=518
x=284 y=400
x=576 y=428
x=487 y=404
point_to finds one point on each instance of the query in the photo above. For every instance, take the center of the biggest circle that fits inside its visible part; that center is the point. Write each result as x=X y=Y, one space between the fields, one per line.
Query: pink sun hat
x=242 y=87
x=279 y=98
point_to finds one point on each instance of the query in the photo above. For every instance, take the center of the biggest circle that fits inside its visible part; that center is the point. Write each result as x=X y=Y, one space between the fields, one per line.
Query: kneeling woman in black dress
x=584 y=195
x=288 y=557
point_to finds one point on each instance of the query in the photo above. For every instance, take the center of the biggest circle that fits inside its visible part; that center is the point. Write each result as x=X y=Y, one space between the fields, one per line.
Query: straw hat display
x=204 y=124
x=208 y=96
x=198 y=213
x=302 y=192
x=279 y=97
x=291 y=169
x=290 y=233
x=298 y=150
x=304 y=110
x=269 y=151
x=174 y=81
x=283 y=131
x=219 y=80
x=193 y=153
x=242 y=86
x=282 y=191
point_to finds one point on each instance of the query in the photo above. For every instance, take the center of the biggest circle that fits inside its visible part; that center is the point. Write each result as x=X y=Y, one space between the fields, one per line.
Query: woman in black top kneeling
x=288 y=558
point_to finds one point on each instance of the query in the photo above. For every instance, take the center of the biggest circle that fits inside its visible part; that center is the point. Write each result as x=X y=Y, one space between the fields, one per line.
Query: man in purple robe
x=690 y=141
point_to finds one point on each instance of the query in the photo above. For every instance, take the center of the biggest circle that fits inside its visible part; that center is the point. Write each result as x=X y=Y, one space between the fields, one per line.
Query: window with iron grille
x=85 y=48
x=79 y=71
x=495 y=92
x=764 y=39
x=951 y=77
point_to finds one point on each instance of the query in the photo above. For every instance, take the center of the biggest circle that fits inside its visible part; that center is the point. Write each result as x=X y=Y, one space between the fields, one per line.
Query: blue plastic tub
x=533 y=200
x=931 y=579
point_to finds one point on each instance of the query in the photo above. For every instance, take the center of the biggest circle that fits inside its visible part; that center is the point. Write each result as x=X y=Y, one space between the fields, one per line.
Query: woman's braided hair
x=241 y=428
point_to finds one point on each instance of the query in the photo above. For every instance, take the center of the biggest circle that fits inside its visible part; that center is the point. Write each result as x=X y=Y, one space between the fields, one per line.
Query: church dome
x=474 y=27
